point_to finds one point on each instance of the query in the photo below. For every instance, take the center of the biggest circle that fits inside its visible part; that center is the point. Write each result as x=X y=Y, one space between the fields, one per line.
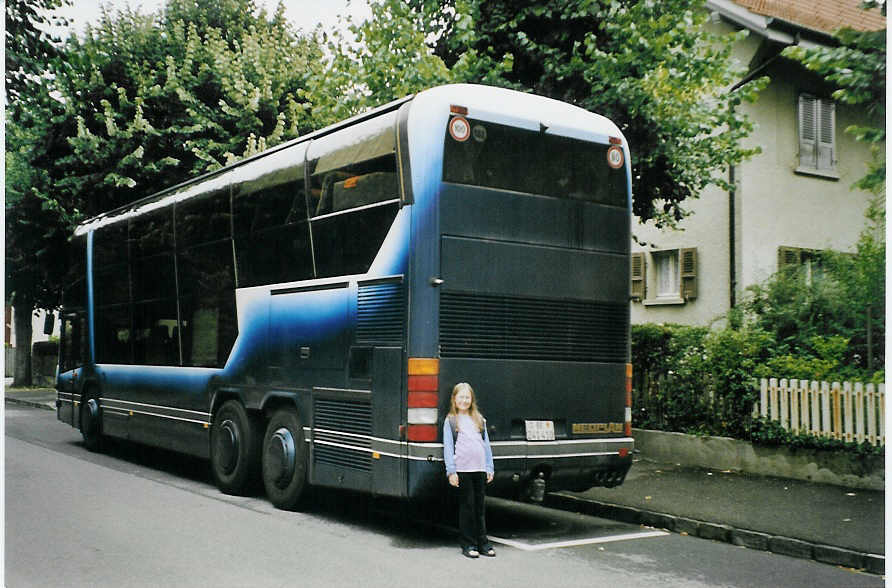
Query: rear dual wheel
x=285 y=460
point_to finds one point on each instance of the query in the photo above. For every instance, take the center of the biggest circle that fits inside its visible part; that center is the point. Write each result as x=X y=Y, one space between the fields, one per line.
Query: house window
x=809 y=261
x=817 y=129
x=666 y=267
x=672 y=279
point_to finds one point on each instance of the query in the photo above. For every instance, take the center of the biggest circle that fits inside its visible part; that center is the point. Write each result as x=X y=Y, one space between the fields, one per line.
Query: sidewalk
x=827 y=523
x=37 y=397
x=830 y=524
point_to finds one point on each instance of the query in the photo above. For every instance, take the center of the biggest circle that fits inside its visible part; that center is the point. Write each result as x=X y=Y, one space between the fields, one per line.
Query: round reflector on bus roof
x=459 y=128
x=615 y=158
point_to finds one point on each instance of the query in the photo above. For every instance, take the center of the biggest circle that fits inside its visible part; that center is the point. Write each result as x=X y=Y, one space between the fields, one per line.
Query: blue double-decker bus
x=302 y=316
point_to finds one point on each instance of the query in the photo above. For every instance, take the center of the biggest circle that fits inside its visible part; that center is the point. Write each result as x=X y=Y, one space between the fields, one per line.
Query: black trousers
x=472 y=510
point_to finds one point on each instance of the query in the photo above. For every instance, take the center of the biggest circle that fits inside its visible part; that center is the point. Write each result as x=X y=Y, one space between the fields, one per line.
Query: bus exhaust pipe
x=535 y=490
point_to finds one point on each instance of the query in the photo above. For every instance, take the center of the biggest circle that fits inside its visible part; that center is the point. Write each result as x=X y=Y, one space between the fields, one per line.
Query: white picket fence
x=846 y=411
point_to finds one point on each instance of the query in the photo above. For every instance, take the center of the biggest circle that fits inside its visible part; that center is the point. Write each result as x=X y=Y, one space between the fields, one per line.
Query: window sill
x=663 y=301
x=827 y=174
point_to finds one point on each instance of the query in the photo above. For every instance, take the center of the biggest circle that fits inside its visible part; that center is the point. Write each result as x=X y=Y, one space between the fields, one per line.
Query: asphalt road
x=134 y=516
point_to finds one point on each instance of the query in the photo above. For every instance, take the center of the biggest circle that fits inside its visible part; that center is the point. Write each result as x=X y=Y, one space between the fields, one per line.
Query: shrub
x=771 y=433
x=45 y=348
x=694 y=380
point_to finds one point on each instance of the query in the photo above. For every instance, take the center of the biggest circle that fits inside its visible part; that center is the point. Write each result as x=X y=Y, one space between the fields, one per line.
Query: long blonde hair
x=473 y=412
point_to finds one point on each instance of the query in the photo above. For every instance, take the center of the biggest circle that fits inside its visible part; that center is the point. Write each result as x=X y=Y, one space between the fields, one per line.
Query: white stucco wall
x=774 y=205
x=781 y=207
x=37 y=324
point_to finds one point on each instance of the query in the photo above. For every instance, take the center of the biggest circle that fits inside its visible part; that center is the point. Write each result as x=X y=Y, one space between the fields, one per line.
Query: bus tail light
x=628 y=423
x=423 y=414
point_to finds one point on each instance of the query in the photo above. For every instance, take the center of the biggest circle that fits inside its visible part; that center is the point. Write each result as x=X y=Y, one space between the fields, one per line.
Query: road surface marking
x=576 y=542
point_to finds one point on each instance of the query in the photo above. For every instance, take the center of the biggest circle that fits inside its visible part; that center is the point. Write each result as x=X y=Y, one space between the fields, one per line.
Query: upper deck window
x=353 y=167
x=509 y=158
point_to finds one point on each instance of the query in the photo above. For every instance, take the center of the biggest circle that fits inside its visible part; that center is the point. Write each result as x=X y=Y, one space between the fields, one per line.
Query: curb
x=829 y=554
x=31 y=403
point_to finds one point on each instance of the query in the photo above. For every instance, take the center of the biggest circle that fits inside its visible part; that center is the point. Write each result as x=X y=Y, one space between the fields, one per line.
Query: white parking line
x=576 y=542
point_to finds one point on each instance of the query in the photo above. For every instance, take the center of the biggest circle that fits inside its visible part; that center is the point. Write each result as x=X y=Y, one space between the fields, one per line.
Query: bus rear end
x=524 y=284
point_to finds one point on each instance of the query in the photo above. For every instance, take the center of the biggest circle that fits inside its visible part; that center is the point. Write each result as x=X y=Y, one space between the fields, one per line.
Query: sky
x=304 y=14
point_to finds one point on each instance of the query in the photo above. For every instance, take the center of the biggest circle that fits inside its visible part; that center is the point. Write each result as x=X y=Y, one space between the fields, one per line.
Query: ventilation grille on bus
x=505 y=327
x=380 y=313
x=342 y=433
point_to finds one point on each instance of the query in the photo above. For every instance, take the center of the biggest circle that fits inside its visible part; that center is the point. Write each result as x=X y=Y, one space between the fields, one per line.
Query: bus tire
x=285 y=460
x=91 y=421
x=234 y=448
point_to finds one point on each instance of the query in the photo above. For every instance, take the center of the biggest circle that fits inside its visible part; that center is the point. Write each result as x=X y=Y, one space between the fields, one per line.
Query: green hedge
x=701 y=381
x=694 y=380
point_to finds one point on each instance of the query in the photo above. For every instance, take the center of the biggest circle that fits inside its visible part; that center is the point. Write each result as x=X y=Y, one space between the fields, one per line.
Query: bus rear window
x=508 y=158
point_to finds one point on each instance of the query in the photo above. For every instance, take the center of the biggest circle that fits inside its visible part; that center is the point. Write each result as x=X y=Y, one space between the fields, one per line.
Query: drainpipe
x=732 y=244
x=732 y=191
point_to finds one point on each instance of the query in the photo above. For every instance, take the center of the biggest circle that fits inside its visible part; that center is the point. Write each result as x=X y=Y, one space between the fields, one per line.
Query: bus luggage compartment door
x=388 y=470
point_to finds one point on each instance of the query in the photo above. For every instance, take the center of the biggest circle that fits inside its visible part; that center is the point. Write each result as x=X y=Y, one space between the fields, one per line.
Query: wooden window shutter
x=638 y=288
x=808 y=131
x=826 y=125
x=788 y=256
x=688 y=262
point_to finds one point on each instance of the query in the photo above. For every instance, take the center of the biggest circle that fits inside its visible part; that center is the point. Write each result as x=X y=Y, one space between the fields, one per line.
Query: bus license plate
x=540 y=430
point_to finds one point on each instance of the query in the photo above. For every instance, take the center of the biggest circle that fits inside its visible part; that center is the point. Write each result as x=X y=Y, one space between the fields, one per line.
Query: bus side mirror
x=49 y=323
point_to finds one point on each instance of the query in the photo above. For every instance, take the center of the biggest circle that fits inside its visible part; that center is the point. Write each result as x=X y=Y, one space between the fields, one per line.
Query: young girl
x=469 y=468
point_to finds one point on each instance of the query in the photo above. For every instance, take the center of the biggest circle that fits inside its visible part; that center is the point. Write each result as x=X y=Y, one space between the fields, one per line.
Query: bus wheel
x=234 y=448
x=91 y=423
x=285 y=460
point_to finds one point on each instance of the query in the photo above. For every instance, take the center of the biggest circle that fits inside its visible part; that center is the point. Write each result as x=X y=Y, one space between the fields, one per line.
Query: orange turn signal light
x=424 y=366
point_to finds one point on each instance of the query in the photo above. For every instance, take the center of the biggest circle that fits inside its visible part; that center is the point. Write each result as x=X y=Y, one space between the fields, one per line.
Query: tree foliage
x=146 y=101
x=141 y=102
x=28 y=46
x=138 y=103
x=652 y=67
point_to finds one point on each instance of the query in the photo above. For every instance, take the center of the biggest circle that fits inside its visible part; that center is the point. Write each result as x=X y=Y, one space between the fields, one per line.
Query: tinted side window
x=111 y=291
x=110 y=245
x=354 y=193
x=155 y=340
x=74 y=340
x=111 y=278
x=113 y=334
x=272 y=240
x=347 y=243
x=207 y=303
x=73 y=345
x=206 y=217
x=207 y=326
x=154 y=304
x=354 y=167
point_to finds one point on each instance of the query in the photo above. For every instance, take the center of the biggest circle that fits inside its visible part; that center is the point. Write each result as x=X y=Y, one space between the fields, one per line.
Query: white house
x=794 y=198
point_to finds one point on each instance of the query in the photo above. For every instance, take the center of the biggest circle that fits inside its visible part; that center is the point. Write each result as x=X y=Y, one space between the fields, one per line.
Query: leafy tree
x=28 y=51
x=652 y=67
x=150 y=100
x=138 y=103
x=28 y=46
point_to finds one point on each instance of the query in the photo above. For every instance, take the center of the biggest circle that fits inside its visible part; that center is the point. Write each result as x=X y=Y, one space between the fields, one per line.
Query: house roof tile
x=820 y=15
